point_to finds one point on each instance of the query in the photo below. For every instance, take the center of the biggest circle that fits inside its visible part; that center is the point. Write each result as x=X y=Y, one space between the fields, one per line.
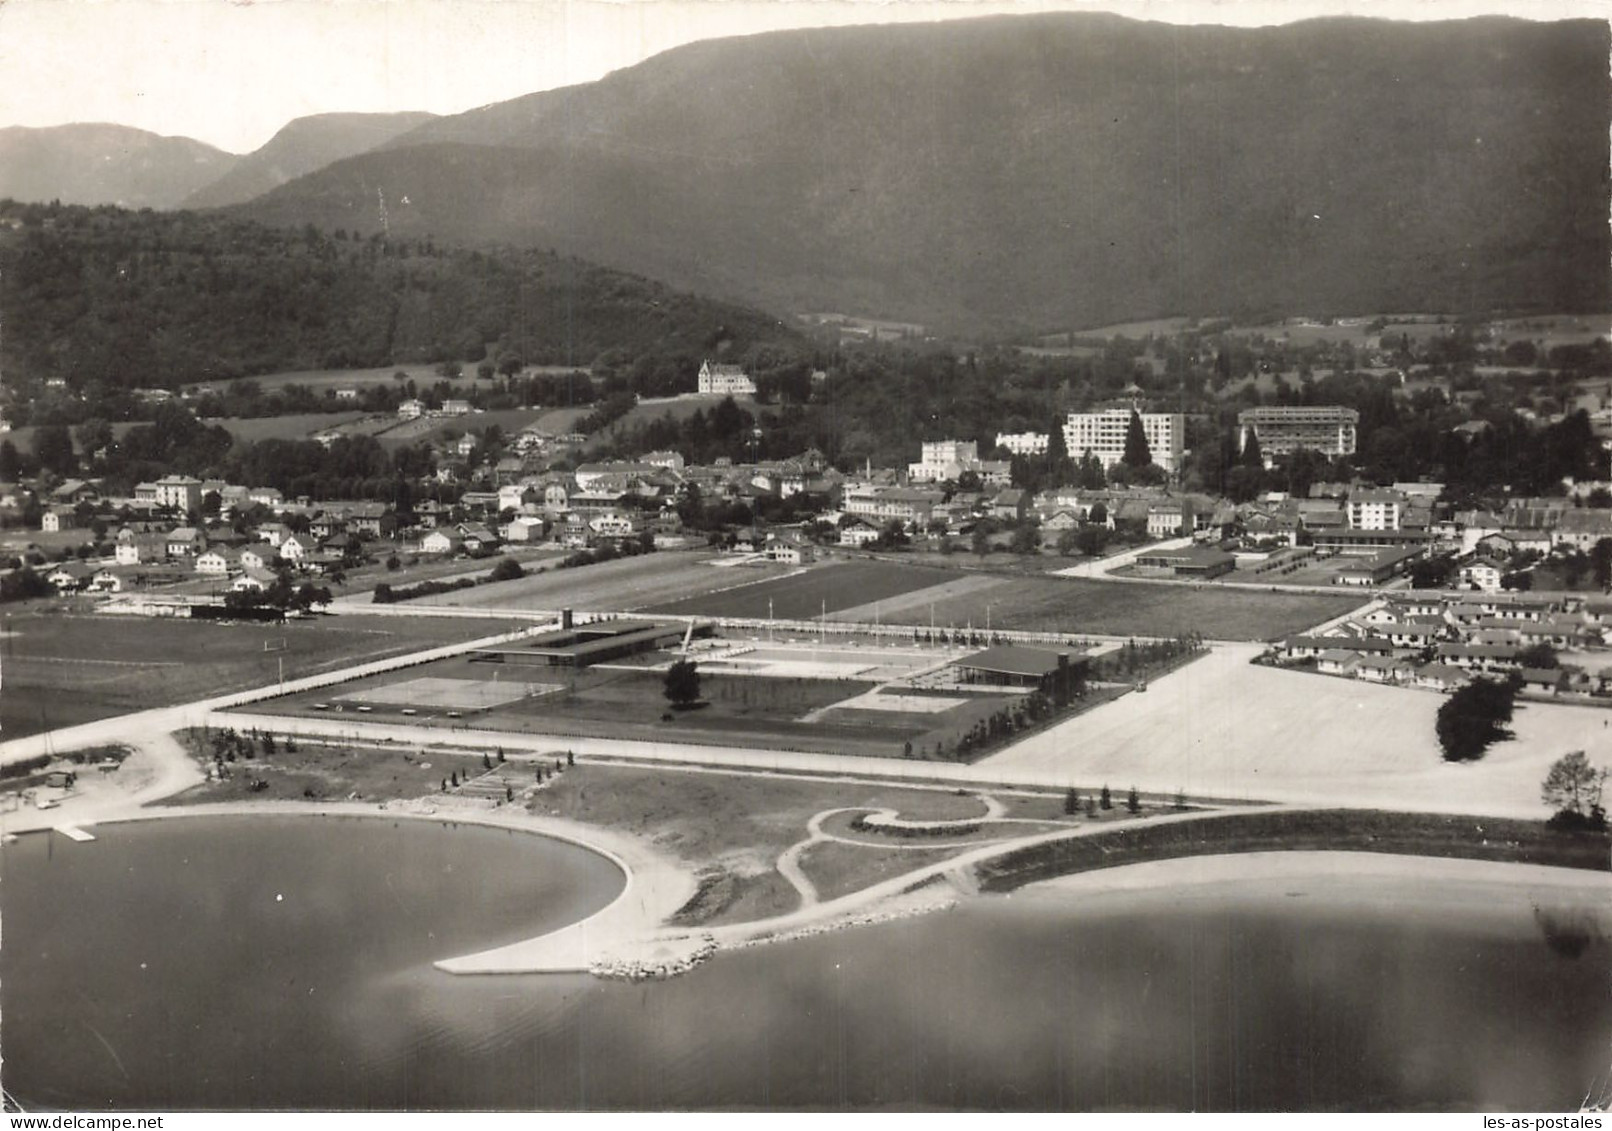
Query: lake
x=284 y=962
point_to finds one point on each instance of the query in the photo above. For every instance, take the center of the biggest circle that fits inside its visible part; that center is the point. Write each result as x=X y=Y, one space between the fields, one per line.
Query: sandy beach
x=1362 y=881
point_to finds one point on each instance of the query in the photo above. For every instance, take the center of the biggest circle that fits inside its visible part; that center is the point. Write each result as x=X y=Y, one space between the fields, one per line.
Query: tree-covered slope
x=158 y=299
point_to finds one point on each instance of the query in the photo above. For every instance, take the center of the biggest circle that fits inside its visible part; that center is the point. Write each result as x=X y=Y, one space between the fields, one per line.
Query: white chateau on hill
x=726 y=381
x=1023 y=443
x=1103 y=434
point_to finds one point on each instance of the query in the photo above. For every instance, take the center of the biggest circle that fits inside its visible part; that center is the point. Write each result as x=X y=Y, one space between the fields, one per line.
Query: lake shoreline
x=631 y=937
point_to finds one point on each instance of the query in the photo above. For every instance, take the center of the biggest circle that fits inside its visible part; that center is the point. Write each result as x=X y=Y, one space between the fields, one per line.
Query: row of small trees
x=1135 y=657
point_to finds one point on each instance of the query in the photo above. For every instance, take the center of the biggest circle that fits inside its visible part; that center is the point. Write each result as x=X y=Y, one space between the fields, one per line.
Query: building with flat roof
x=1103 y=434
x=1191 y=561
x=1284 y=429
x=595 y=643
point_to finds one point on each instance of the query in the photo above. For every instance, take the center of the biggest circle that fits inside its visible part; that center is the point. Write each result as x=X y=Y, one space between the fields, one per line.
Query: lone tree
x=1071 y=803
x=1133 y=801
x=1573 y=789
x=1474 y=717
x=1137 y=452
x=1106 y=800
x=683 y=683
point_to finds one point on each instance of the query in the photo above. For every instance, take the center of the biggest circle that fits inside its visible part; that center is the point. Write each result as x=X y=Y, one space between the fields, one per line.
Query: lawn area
x=832 y=585
x=732 y=827
x=62 y=669
x=322 y=772
x=299 y=426
x=840 y=869
x=1109 y=608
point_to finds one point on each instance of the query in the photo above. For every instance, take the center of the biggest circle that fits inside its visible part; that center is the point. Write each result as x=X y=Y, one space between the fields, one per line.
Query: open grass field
x=803 y=595
x=733 y=827
x=1073 y=605
x=618 y=586
x=353 y=378
x=1222 y=727
x=59 y=670
x=317 y=771
x=297 y=426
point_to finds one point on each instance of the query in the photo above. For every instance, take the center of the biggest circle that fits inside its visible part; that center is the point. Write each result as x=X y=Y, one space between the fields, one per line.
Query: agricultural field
x=617 y=586
x=510 y=420
x=60 y=670
x=321 y=379
x=828 y=587
x=297 y=426
x=1109 y=608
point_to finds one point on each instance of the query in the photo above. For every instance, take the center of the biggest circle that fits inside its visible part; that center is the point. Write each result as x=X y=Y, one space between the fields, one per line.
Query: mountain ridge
x=1047 y=170
x=303 y=145
x=93 y=163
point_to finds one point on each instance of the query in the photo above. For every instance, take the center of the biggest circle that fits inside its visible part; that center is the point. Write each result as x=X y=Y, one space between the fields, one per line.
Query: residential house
x=1582 y=528
x=57 y=519
x=441 y=542
x=295 y=547
x=1440 y=677
x=213 y=563
x=185 y=541
x=1543 y=681
x=1482 y=573
x=372 y=520
x=1337 y=661
x=524 y=529
x=326 y=526
x=255 y=580
x=1010 y=505
x=70 y=576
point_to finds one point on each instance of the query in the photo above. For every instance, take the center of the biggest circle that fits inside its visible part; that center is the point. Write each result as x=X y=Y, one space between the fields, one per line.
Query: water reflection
x=1038 y=1001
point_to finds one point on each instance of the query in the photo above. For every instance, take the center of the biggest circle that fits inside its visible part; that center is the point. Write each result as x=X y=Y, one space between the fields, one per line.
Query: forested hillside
x=116 y=299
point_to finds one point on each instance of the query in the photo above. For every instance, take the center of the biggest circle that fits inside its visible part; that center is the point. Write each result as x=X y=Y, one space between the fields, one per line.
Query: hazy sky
x=232 y=72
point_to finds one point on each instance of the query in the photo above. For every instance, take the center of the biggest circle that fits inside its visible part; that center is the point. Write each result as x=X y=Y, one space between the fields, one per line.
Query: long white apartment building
x=1103 y=434
x=1283 y=429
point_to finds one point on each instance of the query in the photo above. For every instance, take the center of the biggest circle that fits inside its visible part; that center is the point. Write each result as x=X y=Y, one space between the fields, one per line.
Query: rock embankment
x=658 y=966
